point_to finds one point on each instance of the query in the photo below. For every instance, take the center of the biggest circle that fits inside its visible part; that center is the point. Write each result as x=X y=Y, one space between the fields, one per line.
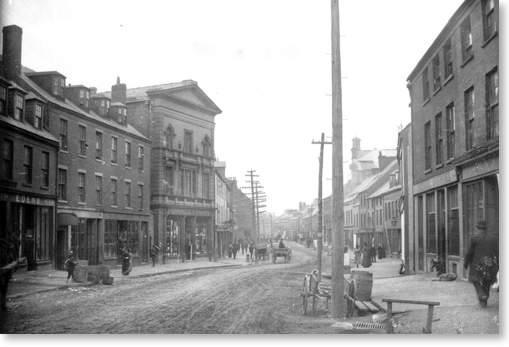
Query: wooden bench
x=429 y=318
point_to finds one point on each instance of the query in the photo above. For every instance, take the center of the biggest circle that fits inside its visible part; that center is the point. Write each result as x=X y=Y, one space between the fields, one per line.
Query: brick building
x=28 y=164
x=102 y=175
x=224 y=211
x=179 y=120
x=455 y=146
x=242 y=214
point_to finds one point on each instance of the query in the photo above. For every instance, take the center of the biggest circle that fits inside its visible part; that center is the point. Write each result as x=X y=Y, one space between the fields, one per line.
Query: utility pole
x=338 y=234
x=251 y=174
x=320 y=209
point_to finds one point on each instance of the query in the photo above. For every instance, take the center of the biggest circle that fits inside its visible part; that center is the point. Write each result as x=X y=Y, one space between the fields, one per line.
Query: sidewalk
x=458 y=313
x=30 y=282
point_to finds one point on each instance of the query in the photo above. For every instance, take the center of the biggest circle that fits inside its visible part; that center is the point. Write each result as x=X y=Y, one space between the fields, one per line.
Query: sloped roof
x=69 y=105
x=29 y=128
x=370 y=181
x=386 y=188
x=368 y=159
x=142 y=93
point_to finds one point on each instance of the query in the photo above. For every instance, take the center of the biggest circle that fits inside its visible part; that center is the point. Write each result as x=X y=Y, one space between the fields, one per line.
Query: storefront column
x=100 y=240
x=182 y=238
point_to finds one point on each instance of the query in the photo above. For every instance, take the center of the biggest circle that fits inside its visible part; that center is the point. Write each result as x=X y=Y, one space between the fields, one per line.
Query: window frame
x=18 y=106
x=469 y=117
x=435 y=67
x=114 y=191
x=439 y=140
x=450 y=123
x=99 y=189
x=28 y=165
x=448 y=60
x=99 y=145
x=427 y=146
x=127 y=200
x=3 y=100
x=64 y=132
x=128 y=153
x=141 y=158
x=82 y=131
x=8 y=159
x=45 y=169
x=62 y=184
x=38 y=116
x=82 y=187
x=492 y=106
x=466 y=40
x=114 y=149
x=486 y=15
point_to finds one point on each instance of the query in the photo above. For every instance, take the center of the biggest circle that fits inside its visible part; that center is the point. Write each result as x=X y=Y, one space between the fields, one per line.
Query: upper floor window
x=436 y=72
x=114 y=198
x=188 y=141
x=451 y=128
x=141 y=157
x=427 y=145
x=28 y=164
x=127 y=154
x=84 y=96
x=492 y=104
x=99 y=189
x=18 y=106
x=466 y=40
x=83 y=139
x=37 y=116
x=58 y=86
x=63 y=134
x=448 y=65
x=45 y=169
x=489 y=18
x=169 y=136
x=3 y=100
x=140 y=197
x=469 y=118
x=114 y=149
x=425 y=85
x=127 y=194
x=7 y=159
x=206 y=146
x=62 y=184
x=81 y=187
x=439 y=140
x=98 y=145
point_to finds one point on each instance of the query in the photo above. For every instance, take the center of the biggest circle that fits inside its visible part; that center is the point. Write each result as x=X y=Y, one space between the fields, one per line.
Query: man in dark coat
x=482 y=257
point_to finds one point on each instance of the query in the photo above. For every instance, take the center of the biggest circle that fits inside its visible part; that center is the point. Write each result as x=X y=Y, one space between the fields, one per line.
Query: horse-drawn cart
x=281 y=253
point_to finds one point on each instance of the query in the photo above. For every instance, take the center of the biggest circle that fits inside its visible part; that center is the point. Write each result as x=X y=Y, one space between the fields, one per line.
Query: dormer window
x=84 y=96
x=3 y=100
x=19 y=102
x=37 y=116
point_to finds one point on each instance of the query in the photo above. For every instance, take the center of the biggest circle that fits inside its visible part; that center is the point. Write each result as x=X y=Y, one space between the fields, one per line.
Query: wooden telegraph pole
x=338 y=235
x=320 y=208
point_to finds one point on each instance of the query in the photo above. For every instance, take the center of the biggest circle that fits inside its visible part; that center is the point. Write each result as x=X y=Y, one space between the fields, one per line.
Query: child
x=70 y=264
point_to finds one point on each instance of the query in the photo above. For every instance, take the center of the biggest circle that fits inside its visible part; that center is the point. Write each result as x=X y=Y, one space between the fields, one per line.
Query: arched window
x=169 y=135
x=206 y=146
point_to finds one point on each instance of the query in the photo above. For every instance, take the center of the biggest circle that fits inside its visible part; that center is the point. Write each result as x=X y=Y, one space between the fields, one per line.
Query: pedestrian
x=126 y=261
x=70 y=264
x=482 y=258
x=366 y=255
x=281 y=243
x=235 y=249
x=357 y=253
x=372 y=252
x=9 y=247
x=381 y=251
x=154 y=251
x=230 y=250
x=251 y=250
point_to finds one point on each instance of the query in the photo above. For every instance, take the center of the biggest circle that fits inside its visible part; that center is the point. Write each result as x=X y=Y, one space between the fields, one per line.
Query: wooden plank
x=360 y=306
x=416 y=302
x=370 y=306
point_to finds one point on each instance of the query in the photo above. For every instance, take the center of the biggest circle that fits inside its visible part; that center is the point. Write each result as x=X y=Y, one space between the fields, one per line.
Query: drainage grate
x=368 y=325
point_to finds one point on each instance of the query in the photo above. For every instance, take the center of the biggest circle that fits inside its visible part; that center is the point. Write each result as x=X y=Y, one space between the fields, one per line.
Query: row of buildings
x=99 y=171
x=424 y=199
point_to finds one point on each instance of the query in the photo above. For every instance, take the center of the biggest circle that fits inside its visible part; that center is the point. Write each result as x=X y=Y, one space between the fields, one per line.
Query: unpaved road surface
x=261 y=298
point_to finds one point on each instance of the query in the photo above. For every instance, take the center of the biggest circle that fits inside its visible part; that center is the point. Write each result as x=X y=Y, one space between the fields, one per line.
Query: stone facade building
x=224 y=211
x=455 y=136
x=179 y=120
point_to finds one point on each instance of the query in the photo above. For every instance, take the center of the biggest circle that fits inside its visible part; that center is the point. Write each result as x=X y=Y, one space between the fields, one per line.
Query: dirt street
x=261 y=298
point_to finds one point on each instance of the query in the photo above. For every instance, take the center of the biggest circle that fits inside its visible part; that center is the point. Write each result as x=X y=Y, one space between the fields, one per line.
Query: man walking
x=482 y=257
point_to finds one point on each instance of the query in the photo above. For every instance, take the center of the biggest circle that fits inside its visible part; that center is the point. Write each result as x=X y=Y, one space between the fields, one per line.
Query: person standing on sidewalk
x=482 y=258
x=153 y=254
x=70 y=264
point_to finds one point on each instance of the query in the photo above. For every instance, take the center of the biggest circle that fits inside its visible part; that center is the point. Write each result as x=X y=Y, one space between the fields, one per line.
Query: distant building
x=224 y=210
x=242 y=214
x=455 y=136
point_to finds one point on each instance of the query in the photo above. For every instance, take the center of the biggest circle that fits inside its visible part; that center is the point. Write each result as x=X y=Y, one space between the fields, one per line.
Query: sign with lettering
x=25 y=199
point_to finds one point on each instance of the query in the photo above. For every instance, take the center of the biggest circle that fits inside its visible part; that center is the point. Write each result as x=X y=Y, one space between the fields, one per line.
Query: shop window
x=473 y=202
x=453 y=237
x=110 y=239
x=431 y=244
x=43 y=234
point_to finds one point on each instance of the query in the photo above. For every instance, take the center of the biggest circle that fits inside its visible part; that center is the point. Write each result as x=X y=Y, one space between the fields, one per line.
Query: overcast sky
x=265 y=63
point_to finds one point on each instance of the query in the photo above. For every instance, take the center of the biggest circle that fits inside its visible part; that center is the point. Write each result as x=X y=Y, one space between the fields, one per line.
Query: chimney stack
x=11 y=54
x=356 y=147
x=119 y=92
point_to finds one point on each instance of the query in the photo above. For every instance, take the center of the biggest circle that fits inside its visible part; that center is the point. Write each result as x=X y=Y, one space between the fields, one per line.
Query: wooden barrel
x=363 y=282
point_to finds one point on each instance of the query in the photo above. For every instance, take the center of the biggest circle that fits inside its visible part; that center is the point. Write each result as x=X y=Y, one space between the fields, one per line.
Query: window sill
x=436 y=91
x=488 y=40
x=466 y=61
x=426 y=101
x=439 y=166
x=28 y=185
x=114 y=206
x=62 y=201
x=427 y=171
x=44 y=187
x=64 y=150
x=448 y=79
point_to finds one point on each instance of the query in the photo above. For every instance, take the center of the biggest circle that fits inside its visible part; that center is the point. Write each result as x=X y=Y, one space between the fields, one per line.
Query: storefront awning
x=67 y=219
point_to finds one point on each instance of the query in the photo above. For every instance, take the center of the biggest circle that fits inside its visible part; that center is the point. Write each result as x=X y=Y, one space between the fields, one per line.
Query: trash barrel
x=363 y=282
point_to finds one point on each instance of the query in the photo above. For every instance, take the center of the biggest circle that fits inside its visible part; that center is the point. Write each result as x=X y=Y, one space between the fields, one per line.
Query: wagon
x=281 y=252
x=260 y=251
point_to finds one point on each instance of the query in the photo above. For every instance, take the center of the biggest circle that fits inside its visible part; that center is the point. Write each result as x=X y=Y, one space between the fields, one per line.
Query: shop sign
x=24 y=199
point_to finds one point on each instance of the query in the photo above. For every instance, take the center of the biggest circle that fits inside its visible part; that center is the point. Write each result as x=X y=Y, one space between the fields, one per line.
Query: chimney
x=11 y=54
x=356 y=147
x=93 y=91
x=119 y=92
